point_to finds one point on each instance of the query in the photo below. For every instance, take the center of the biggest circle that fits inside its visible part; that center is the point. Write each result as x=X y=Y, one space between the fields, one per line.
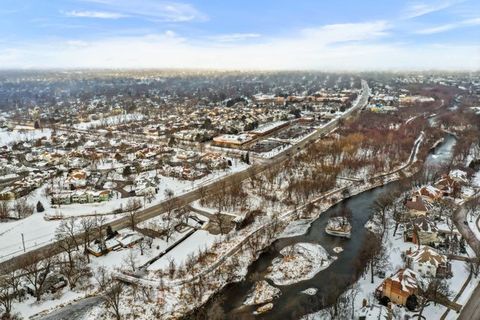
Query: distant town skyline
x=253 y=35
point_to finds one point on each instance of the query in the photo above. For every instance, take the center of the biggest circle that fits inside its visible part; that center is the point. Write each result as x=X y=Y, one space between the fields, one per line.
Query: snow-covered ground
x=30 y=306
x=17 y=135
x=301 y=261
x=113 y=120
x=200 y=240
x=296 y=228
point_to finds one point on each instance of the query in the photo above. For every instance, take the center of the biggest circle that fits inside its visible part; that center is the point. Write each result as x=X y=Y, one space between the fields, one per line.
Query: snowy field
x=9 y=137
x=200 y=240
x=113 y=120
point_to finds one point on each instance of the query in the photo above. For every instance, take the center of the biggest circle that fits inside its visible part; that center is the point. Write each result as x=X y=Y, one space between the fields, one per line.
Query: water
x=292 y=303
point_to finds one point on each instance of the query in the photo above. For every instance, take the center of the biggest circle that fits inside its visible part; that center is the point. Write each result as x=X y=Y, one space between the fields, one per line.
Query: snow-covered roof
x=407 y=279
x=458 y=175
x=427 y=255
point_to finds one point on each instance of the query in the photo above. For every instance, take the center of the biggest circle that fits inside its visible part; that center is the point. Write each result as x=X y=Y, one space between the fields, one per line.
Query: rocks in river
x=310 y=291
x=265 y=308
x=337 y=249
x=299 y=262
x=262 y=293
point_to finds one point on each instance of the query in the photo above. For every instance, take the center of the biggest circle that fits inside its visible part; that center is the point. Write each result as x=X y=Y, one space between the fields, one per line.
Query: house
x=80 y=196
x=129 y=239
x=416 y=206
x=430 y=193
x=400 y=287
x=427 y=262
x=459 y=176
x=448 y=186
x=421 y=230
x=99 y=248
x=77 y=179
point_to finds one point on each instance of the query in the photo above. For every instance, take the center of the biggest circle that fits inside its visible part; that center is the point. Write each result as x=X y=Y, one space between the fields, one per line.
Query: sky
x=341 y=35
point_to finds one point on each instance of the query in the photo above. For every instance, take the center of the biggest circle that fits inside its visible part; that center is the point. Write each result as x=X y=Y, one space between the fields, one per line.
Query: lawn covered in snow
x=200 y=240
x=17 y=135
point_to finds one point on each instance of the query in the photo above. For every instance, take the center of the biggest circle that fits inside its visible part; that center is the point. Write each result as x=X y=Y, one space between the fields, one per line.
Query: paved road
x=73 y=311
x=184 y=199
x=471 y=310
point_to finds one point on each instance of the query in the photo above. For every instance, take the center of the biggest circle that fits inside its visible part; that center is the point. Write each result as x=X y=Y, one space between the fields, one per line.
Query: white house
x=428 y=262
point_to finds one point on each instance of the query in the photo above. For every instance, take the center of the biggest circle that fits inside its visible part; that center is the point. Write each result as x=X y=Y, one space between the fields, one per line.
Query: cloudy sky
x=241 y=34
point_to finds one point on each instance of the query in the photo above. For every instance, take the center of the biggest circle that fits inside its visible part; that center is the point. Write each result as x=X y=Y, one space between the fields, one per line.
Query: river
x=292 y=303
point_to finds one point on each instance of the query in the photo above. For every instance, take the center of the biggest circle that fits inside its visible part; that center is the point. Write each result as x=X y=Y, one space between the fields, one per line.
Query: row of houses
x=65 y=197
x=426 y=260
x=22 y=187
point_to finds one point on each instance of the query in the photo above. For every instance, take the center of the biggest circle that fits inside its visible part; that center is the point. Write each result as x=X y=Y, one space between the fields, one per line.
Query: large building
x=233 y=140
x=269 y=128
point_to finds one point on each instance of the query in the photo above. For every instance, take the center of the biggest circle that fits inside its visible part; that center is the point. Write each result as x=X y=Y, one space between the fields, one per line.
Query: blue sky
x=248 y=34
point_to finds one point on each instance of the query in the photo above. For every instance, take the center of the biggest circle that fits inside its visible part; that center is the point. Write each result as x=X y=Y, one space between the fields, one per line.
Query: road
x=75 y=310
x=471 y=310
x=219 y=184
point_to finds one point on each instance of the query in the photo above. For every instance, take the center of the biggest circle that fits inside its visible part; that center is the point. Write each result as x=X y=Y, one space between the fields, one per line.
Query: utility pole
x=23 y=242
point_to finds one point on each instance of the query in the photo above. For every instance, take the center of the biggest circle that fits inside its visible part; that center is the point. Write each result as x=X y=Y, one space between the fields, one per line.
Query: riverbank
x=330 y=200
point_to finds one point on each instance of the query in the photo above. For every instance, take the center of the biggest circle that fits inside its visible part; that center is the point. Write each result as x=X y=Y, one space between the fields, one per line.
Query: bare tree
x=37 y=269
x=434 y=290
x=172 y=267
x=112 y=294
x=374 y=253
x=144 y=245
x=132 y=207
x=86 y=226
x=23 y=208
x=68 y=230
x=472 y=206
x=4 y=209
x=130 y=260
x=8 y=293
x=75 y=270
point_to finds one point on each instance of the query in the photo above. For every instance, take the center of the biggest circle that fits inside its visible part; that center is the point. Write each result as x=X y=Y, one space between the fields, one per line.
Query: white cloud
x=95 y=14
x=348 y=32
x=168 y=11
x=450 y=26
x=233 y=37
x=418 y=9
x=438 y=29
x=361 y=46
